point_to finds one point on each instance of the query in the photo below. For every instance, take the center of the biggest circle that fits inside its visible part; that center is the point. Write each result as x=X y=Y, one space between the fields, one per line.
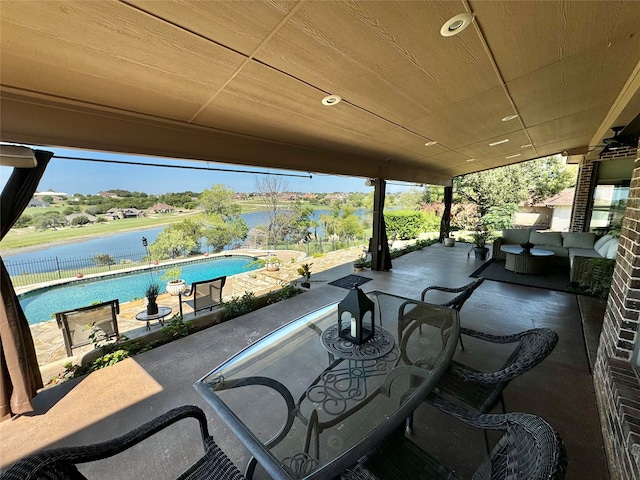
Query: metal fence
x=54 y=268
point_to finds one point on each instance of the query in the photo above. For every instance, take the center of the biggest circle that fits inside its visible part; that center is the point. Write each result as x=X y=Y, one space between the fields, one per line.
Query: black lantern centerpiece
x=352 y=313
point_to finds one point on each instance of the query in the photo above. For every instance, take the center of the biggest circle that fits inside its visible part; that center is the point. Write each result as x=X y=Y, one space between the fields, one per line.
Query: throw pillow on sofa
x=602 y=245
x=578 y=240
x=553 y=239
x=612 y=248
x=515 y=236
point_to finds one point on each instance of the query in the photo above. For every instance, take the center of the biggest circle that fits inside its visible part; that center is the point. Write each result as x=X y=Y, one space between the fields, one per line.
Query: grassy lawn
x=27 y=237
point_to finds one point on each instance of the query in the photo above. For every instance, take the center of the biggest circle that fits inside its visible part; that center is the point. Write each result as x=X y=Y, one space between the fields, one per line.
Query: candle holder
x=356 y=317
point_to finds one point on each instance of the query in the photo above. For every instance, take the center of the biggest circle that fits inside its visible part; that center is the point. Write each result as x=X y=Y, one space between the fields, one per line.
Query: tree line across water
x=487 y=199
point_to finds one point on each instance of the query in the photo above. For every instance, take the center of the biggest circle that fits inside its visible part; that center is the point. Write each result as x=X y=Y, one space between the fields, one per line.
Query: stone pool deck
x=48 y=338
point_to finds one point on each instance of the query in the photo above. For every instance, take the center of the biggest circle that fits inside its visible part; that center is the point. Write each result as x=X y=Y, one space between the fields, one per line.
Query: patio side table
x=160 y=316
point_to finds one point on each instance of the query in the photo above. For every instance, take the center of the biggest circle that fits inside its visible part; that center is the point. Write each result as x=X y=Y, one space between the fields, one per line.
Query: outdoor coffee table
x=518 y=261
x=308 y=405
x=160 y=316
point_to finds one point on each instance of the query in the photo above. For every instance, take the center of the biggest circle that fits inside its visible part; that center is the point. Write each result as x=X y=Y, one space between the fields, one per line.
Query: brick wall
x=615 y=380
x=582 y=197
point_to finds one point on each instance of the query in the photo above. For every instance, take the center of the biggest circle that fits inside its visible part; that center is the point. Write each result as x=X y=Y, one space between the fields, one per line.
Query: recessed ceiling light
x=514 y=156
x=471 y=159
x=331 y=100
x=456 y=24
x=509 y=117
x=499 y=143
x=526 y=146
x=430 y=144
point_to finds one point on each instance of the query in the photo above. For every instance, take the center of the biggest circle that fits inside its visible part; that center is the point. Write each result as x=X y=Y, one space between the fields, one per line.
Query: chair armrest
x=485 y=421
x=495 y=248
x=89 y=453
x=442 y=289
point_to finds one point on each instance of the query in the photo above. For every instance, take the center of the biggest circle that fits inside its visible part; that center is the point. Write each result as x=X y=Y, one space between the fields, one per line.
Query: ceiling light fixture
x=509 y=117
x=430 y=144
x=514 y=156
x=330 y=100
x=471 y=159
x=526 y=146
x=456 y=24
x=499 y=143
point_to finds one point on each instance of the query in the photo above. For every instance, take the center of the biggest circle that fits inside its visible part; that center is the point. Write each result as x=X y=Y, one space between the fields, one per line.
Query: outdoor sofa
x=576 y=247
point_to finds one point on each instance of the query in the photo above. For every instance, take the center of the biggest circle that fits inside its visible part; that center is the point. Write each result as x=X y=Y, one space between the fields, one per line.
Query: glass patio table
x=308 y=404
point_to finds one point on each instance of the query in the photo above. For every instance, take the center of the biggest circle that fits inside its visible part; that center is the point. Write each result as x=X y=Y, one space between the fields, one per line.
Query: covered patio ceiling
x=242 y=82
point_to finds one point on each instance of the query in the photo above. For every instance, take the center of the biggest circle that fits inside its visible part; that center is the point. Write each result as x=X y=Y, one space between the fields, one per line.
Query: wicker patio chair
x=60 y=463
x=458 y=301
x=484 y=391
x=79 y=324
x=530 y=449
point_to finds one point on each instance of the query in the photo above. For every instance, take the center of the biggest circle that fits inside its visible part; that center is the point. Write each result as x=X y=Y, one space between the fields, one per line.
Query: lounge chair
x=79 y=324
x=204 y=295
x=60 y=463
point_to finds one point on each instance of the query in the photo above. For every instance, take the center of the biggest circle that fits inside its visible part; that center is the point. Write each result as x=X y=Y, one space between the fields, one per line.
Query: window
x=609 y=204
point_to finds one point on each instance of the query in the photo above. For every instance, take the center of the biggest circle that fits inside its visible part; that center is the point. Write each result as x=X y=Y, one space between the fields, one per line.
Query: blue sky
x=72 y=176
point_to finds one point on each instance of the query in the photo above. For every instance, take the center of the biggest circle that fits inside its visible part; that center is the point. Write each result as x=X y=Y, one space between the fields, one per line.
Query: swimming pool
x=39 y=305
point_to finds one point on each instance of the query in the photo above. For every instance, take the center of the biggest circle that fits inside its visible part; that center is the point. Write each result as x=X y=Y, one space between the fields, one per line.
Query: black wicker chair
x=60 y=463
x=457 y=302
x=484 y=391
x=530 y=449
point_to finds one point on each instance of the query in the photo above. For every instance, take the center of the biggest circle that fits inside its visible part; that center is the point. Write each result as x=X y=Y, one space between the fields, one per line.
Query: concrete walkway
x=111 y=401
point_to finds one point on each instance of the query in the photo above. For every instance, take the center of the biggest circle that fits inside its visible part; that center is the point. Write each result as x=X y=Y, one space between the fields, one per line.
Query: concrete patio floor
x=109 y=402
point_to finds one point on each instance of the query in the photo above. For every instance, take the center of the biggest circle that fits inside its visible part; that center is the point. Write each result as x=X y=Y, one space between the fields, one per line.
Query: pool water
x=39 y=305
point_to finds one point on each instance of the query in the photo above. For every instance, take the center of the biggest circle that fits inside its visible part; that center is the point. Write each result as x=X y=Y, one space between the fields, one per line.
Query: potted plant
x=305 y=271
x=152 y=292
x=359 y=263
x=175 y=284
x=272 y=264
x=480 y=239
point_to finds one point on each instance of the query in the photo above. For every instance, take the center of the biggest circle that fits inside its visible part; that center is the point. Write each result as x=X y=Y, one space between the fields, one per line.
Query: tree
x=49 y=220
x=24 y=221
x=278 y=219
x=219 y=233
x=500 y=187
x=173 y=242
x=80 y=220
x=221 y=222
x=103 y=259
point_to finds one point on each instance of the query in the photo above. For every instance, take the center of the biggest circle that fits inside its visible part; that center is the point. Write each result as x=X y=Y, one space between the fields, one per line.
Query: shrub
x=238 y=306
x=405 y=224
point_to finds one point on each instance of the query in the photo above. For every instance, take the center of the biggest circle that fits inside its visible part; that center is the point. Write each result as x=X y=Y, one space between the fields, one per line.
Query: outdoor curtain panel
x=20 y=377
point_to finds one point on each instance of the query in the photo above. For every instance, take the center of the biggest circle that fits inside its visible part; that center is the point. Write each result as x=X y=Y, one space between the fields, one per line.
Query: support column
x=616 y=381
x=380 y=256
x=583 y=197
x=445 y=222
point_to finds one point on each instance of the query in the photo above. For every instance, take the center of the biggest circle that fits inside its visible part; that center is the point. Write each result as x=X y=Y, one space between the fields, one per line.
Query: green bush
x=403 y=224
x=239 y=306
x=431 y=222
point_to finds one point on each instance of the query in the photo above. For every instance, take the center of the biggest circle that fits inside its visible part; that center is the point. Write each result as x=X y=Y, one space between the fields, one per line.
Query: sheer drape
x=20 y=376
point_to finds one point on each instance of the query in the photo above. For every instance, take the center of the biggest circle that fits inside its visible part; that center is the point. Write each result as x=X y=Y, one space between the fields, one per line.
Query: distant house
x=562 y=203
x=56 y=196
x=34 y=202
x=107 y=194
x=161 y=208
x=73 y=216
x=121 y=213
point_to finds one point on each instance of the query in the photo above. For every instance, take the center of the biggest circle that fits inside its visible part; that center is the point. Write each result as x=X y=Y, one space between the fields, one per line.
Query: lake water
x=123 y=245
